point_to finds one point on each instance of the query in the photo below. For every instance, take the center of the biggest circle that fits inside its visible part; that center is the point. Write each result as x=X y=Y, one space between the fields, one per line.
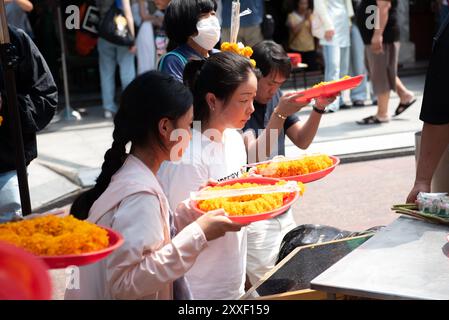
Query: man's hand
x=322 y=102
x=377 y=43
x=417 y=188
x=289 y=105
x=329 y=35
x=133 y=49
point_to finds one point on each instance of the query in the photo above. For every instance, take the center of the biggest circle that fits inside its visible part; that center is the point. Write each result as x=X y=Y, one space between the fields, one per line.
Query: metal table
x=409 y=259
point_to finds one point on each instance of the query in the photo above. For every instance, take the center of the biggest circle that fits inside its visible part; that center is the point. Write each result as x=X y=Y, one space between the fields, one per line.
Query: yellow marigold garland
x=305 y=165
x=328 y=82
x=240 y=49
x=246 y=204
x=54 y=236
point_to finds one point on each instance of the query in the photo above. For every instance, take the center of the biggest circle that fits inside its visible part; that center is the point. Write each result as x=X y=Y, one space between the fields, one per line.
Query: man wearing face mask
x=191 y=24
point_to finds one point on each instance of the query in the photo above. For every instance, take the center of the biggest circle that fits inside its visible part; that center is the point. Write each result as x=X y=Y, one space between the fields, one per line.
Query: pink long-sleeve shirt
x=148 y=262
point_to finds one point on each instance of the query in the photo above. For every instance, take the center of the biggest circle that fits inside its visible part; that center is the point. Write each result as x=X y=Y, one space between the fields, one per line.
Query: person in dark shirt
x=37 y=101
x=274 y=115
x=434 y=114
x=272 y=119
x=378 y=23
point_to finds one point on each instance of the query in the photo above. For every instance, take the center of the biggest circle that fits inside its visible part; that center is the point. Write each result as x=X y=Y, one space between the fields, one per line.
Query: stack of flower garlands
x=240 y=49
x=246 y=204
x=53 y=236
x=289 y=168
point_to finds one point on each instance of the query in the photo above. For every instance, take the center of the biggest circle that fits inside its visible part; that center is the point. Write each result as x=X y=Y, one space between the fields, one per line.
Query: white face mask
x=208 y=33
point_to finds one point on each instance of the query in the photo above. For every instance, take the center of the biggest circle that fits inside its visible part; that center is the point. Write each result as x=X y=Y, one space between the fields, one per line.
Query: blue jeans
x=9 y=196
x=357 y=64
x=109 y=56
x=336 y=61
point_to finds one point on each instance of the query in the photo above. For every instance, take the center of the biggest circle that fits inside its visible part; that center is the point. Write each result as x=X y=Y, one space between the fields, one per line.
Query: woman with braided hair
x=128 y=198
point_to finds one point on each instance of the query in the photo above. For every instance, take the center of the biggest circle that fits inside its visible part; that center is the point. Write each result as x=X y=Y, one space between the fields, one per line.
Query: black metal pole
x=8 y=61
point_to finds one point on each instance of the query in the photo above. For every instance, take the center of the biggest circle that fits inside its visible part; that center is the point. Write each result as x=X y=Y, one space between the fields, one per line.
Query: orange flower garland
x=288 y=168
x=239 y=49
x=246 y=204
x=53 y=236
x=328 y=82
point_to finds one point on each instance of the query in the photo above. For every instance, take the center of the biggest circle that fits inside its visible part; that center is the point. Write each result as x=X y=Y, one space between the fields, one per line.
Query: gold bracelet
x=280 y=115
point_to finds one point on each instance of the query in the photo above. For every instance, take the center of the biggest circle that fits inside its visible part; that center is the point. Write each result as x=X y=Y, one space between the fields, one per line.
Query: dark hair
x=271 y=57
x=148 y=98
x=221 y=74
x=182 y=16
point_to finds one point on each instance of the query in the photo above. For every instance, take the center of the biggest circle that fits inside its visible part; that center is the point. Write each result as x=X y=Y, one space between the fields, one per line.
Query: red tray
x=56 y=262
x=288 y=201
x=22 y=275
x=309 y=177
x=331 y=88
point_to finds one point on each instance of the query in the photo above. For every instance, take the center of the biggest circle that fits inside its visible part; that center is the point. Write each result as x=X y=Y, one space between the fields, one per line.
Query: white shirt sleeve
x=320 y=8
x=143 y=265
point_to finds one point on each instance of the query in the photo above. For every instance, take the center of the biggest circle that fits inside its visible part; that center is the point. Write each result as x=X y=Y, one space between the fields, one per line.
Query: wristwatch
x=320 y=111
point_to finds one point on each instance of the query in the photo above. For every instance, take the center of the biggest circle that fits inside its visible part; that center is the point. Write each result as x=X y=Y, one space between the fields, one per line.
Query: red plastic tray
x=22 y=275
x=56 y=262
x=331 y=88
x=306 y=178
x=288 y=201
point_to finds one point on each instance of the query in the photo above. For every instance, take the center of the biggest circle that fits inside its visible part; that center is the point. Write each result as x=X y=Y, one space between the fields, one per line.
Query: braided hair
x=149 y=98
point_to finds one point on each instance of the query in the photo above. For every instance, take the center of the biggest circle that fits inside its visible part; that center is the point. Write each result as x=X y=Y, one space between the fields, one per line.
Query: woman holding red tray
x=128 y=198
x=224 y=88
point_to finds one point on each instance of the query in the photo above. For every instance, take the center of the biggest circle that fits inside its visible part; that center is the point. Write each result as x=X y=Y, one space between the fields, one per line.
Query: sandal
x=370 y=120
x=402 y=107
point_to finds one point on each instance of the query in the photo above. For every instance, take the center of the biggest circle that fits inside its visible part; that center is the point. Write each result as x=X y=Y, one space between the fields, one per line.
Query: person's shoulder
x=17 y=34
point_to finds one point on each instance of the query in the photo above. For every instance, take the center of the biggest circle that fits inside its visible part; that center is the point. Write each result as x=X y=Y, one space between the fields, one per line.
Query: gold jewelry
x=280 y=115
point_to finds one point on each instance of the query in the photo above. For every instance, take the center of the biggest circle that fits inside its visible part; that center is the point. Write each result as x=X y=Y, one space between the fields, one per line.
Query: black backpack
x=114 y=27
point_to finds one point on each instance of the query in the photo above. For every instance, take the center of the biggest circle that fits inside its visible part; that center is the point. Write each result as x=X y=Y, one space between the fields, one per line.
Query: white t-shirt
x=219 y=271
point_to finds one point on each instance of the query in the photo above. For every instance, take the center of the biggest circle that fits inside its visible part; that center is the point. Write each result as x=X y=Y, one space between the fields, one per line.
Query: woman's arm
x=320 y=8
x=25 y=5
x=143 y=265
x=129 y=15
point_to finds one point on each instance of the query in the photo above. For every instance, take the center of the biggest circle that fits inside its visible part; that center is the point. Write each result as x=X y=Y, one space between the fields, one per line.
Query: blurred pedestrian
x=360 y=94
x=335 y=16
x=301 y=39
x=250 y=32
x=111 y=55
x=37 y=98
x=382 y=54
x=150 y=18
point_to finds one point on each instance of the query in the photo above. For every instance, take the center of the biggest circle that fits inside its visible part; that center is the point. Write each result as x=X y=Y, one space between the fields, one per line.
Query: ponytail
x=113 y=161
x=149 y=98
